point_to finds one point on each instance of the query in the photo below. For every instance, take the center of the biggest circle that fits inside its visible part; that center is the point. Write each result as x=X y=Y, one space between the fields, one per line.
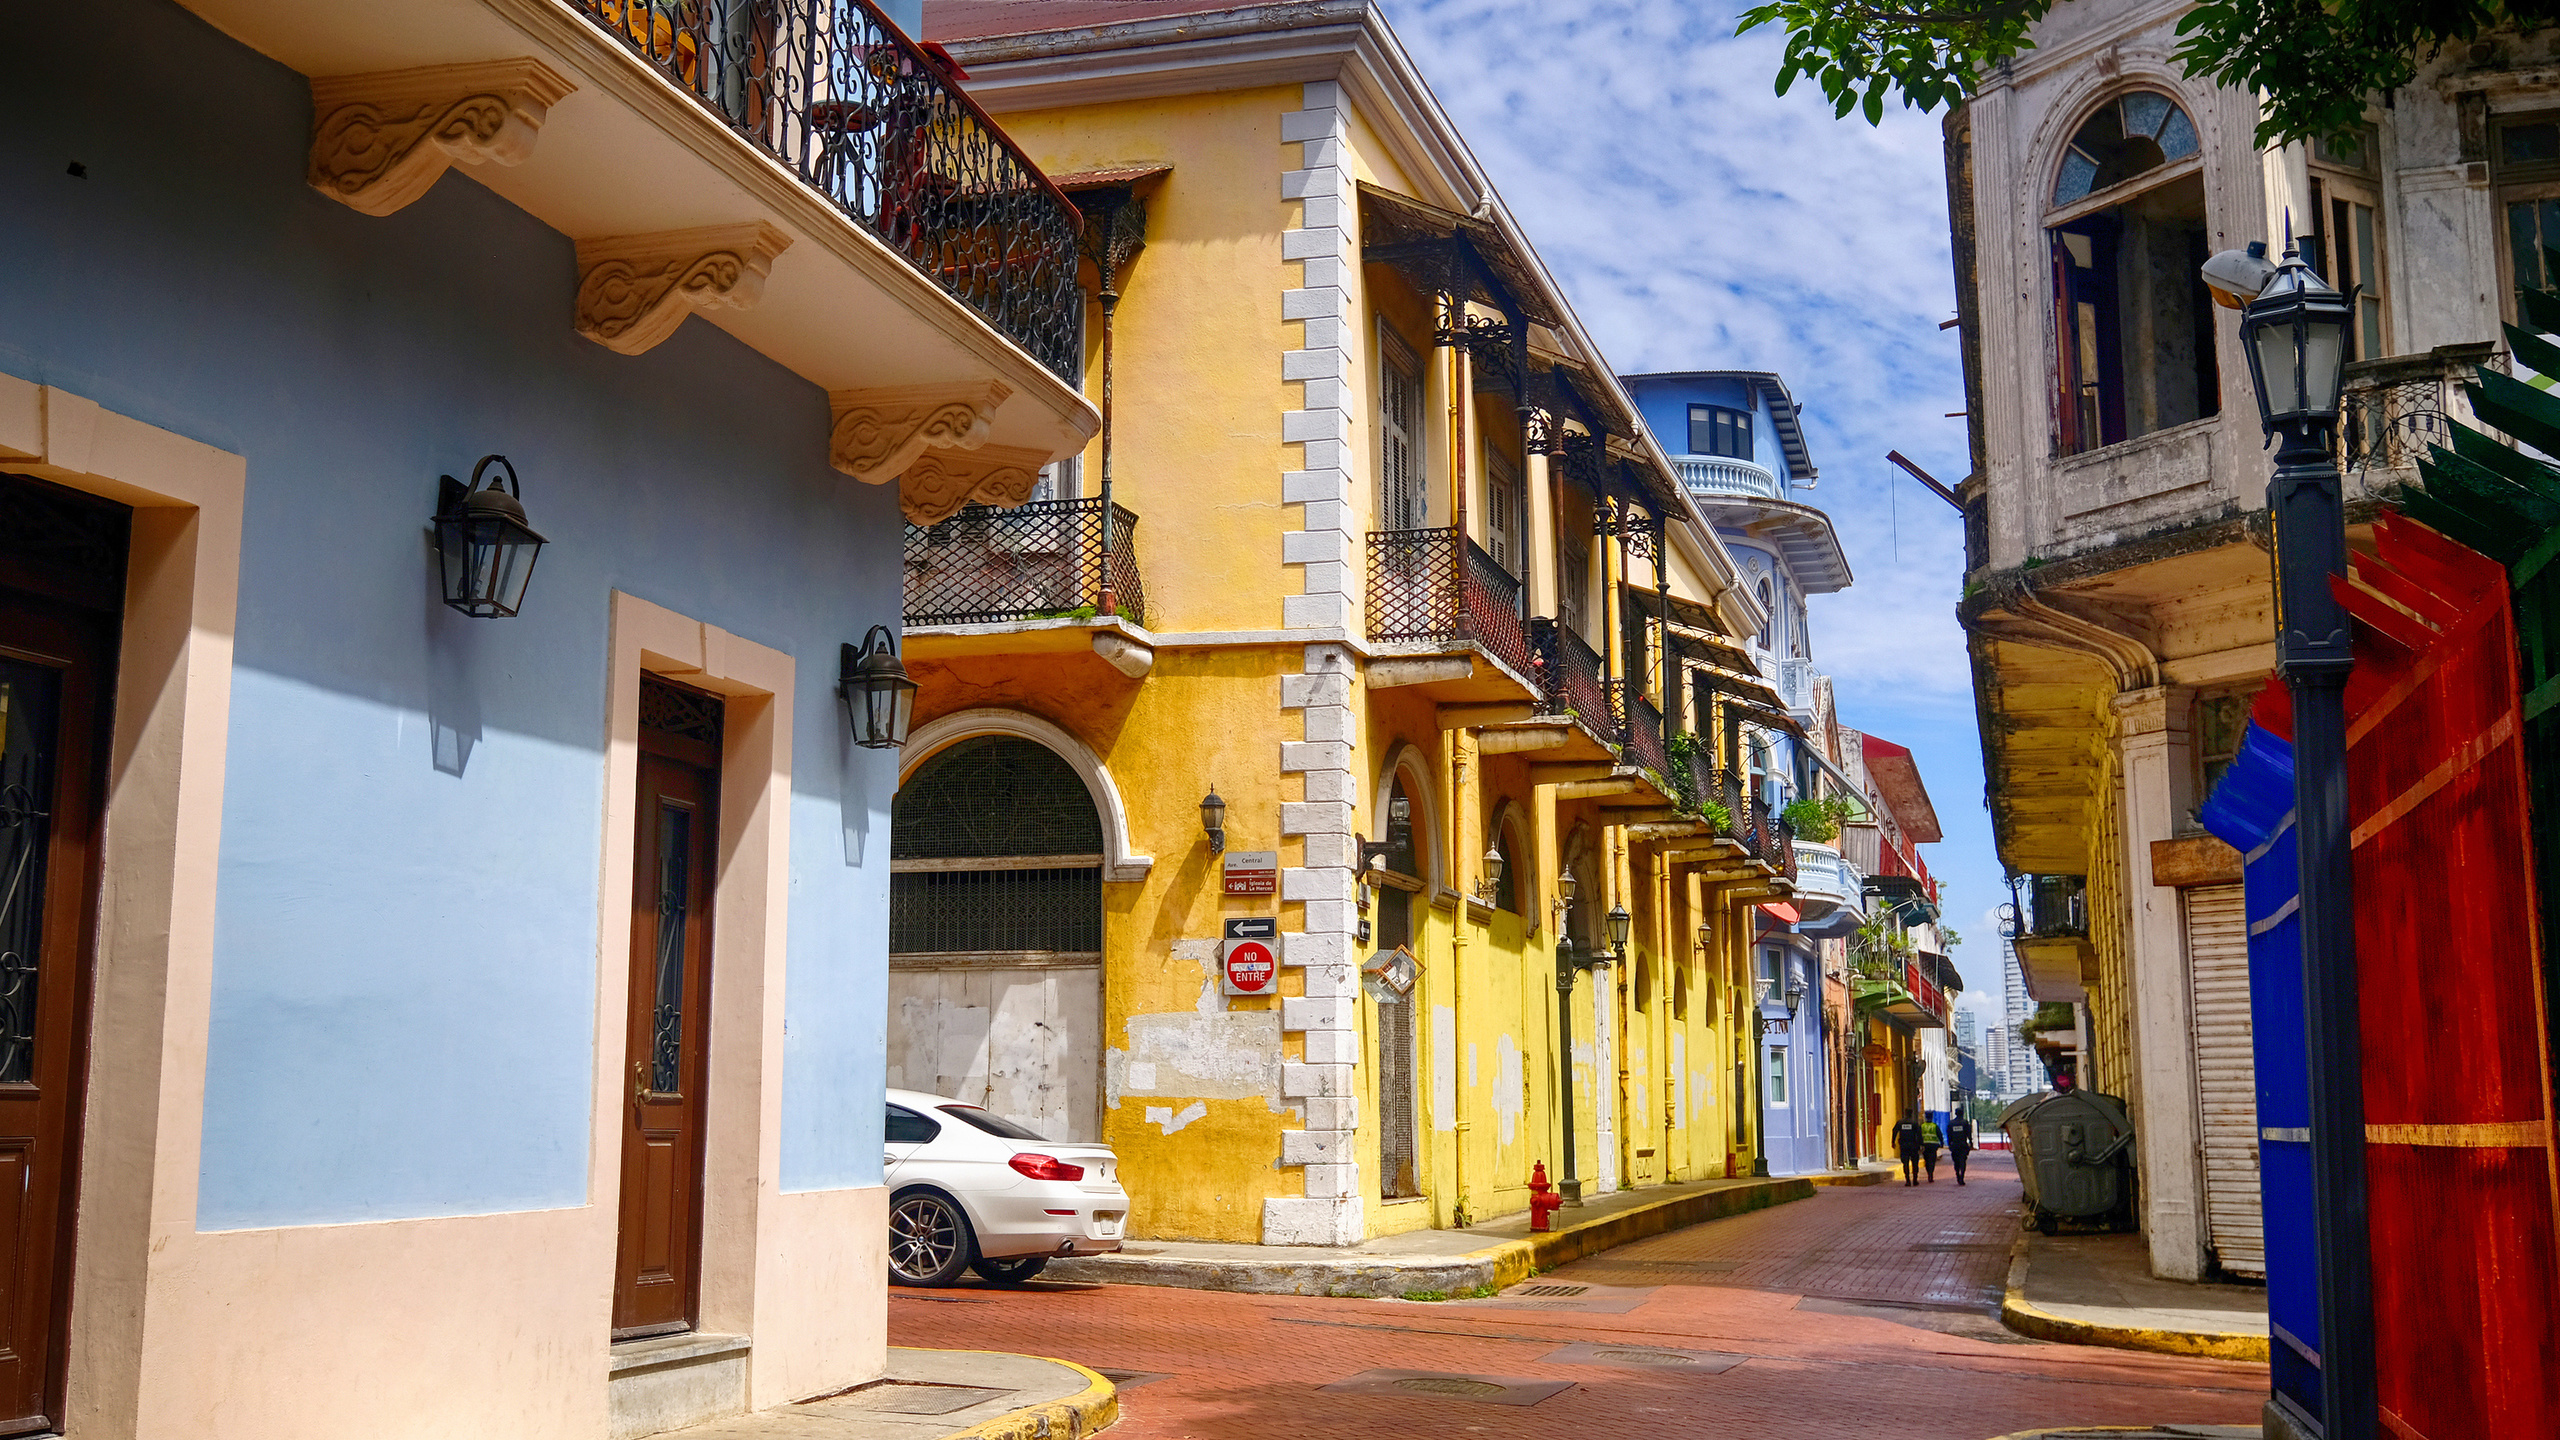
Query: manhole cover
x=1448 y=1385
x=1707 y=1362
x=1545 y=1290
x=1483 y=1389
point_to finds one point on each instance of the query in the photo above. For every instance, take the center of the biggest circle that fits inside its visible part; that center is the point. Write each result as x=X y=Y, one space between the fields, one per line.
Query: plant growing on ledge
x=1818 y=820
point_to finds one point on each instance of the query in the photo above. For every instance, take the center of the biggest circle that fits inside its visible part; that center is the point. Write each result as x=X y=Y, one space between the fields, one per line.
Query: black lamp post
x=878 y=696
x=1571 y=960
x=2295 y=333
x=486 y=548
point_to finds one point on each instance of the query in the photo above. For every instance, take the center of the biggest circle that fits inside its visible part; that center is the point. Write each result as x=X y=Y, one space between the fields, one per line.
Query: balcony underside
x=627 y=154
x=1446 y=672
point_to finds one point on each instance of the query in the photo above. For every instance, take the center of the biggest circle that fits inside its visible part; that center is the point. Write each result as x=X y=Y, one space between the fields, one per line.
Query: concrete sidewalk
x=2163 y=1432
x=940 y=1395
x=1438 y=1263
x=2099 y=1290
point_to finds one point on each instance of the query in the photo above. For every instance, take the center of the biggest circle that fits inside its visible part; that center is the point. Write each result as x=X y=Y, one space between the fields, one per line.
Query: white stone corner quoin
x=1323 y=1086
x=381 y=140
x=634 y=290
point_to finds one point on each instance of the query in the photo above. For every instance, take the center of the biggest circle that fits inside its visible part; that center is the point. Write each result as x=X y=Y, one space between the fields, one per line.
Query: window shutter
x=1401 y=502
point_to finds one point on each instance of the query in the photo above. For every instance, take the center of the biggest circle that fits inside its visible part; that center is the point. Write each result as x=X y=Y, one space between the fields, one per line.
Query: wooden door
x=673 y=854
x=53 y=688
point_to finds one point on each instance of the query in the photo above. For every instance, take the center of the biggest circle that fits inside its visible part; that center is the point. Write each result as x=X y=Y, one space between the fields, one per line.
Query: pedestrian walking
x=1906 y=1144
x=1929 y=1143
x=1959 y=1142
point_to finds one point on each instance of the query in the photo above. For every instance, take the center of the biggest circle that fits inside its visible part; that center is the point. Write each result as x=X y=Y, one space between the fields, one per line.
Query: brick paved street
x=1863 y=1311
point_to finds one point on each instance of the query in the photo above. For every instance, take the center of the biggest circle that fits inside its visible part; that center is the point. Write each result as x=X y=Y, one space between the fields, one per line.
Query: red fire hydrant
x=1542 y=1199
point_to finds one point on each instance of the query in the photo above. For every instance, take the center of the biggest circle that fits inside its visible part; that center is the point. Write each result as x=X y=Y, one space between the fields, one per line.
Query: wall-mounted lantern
x=1491 y=883
x=1620 y=924
x=1213 y=819
x=878 y=697
x=1565 y=886
x=485 y=545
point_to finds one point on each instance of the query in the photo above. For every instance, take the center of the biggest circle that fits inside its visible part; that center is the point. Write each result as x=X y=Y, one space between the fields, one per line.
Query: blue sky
x=1698 y=221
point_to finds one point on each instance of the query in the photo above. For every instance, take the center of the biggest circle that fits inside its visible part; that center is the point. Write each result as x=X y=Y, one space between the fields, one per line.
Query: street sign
x=1253 y=927
x=1253 y=872
x=1249 y=967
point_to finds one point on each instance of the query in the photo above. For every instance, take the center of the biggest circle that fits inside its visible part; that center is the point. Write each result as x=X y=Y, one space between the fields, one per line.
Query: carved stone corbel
x=880 y=433
x=941 y=481
x=634 y=290
x=378 y=141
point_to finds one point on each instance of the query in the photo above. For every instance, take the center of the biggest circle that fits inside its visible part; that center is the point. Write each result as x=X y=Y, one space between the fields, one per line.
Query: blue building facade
x=358 y=1068
x=1737 y=441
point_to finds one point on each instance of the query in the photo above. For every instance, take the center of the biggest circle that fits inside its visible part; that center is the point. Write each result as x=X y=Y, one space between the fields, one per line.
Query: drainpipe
x=1107 y=286
x=1462 y=793
x=1622 y=879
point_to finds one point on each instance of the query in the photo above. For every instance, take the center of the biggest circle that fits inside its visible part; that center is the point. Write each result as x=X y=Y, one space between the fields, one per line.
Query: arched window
x=1769 y=609
x=2132 y=134
x=1506 y=843
x=2133 y=325
x=995 y=848
x=1679 y=992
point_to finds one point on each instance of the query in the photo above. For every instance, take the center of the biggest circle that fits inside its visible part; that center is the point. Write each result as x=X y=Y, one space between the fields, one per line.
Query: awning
x=1781 y=910
x=1474 y=259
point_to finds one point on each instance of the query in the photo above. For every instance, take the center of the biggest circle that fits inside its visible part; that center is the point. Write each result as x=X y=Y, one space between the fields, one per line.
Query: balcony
x=1746 y=820
x=1714 y=476
x=1827 y=888
x=2392 y=410
x=1574 y=680
x=1898 y=986
x=1791 y=677
x=834 y=92
x=1641 y=729
x=1045 y=560
x=1438 y=590
x=2047 y=923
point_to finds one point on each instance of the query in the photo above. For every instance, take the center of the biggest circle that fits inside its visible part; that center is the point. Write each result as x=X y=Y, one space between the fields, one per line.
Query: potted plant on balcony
x=1817 y=819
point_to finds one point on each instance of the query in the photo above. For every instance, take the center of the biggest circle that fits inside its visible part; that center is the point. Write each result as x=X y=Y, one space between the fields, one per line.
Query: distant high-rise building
x=2021 y=1065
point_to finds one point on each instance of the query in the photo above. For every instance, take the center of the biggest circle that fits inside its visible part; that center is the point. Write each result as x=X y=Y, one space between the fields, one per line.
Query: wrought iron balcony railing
x=1645 y=743
x=1043 y=560
x=1574 y=679
x=2392 y=410
x=1436 y=586
x=835 y=92
x=2046 y=907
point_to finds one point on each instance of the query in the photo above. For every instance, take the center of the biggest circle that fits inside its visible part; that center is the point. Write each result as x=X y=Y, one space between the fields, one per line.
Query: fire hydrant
x=1542 y=1199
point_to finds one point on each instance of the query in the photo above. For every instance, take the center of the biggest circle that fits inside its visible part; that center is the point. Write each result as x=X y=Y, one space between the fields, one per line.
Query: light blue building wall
x=404 y=989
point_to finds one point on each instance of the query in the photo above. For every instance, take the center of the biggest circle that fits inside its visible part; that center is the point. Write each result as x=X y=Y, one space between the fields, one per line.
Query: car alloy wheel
x=928 y=1239
x=1010 y=1272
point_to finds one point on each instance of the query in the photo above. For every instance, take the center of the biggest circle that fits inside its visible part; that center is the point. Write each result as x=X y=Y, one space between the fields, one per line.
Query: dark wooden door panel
x=655 y=1279
x=54 y=661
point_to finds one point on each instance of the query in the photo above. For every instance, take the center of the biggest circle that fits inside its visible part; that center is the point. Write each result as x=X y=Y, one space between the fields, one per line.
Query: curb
x=1093 y=1408
x=1497 y=1266
x=2040 y=1324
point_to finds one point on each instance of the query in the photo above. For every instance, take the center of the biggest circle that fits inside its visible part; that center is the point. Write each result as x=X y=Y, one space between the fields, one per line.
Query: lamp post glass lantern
x=2295 y=334
x=1620 y=922
x=1213 y=820
x=483 y=543
x=878 y=697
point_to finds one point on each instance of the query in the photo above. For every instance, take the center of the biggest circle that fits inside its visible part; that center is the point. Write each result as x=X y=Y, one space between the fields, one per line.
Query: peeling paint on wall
x=1510 y=1090
x=1228 y=1056
x=1444 y=1068
x=1167 y=1119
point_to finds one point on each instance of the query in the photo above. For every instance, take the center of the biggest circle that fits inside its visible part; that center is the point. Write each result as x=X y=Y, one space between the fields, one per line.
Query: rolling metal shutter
x=2226 y=1078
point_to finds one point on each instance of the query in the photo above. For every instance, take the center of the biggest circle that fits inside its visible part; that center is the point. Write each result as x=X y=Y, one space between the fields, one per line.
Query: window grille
x=995 y=849
x=1399 y=1169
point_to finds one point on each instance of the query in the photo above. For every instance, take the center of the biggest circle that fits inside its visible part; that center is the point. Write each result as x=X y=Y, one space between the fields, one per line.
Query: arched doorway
x=995 y=935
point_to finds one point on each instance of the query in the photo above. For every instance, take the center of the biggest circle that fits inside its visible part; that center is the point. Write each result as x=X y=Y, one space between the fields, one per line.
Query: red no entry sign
x=1251 y=968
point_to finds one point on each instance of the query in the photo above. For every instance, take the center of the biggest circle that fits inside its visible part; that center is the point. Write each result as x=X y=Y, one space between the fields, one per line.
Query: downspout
x=1622 y=876
x=1107 y=288
x=1464 y=804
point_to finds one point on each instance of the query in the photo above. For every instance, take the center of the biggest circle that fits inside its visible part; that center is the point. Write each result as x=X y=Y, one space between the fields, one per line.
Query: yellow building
x=1373 y=551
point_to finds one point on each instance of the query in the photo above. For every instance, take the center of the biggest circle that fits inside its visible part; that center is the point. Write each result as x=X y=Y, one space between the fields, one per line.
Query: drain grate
x=1548 y=1291
x=1483 y=1389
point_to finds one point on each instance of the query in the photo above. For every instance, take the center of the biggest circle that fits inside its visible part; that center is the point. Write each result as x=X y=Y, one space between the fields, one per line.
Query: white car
x=971 y=1190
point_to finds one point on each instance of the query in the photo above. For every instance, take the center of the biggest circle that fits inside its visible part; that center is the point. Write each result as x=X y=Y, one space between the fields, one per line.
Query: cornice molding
x=634 y=290
x=878 y=434
x=381 y=140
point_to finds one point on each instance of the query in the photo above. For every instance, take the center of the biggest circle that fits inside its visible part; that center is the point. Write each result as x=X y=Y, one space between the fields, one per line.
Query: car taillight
x=1043 y=1167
